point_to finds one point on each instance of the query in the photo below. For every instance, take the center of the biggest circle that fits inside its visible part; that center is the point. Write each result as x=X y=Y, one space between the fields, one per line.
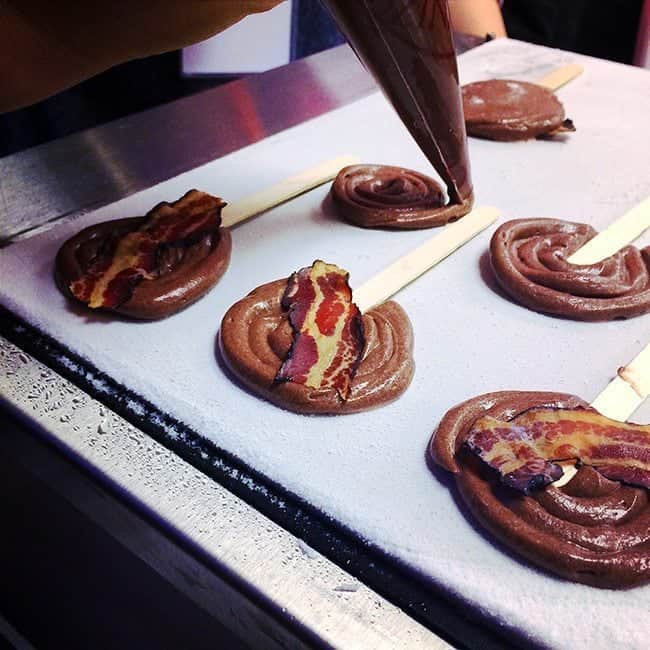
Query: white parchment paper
x=368 y=470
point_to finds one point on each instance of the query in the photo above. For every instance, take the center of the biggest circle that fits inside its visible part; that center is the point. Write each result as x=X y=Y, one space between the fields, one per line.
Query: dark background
x=602 y=28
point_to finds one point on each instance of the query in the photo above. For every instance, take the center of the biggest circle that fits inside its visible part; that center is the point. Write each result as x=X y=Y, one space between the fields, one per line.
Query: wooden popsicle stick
x=622 y=396
x=627 y=391
x=412 y=265
x=620 y=233
x=561 y=76
x=283 y=191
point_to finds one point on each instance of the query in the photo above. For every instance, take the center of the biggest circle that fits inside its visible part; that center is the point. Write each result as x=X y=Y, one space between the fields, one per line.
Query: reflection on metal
x=109 y=162
x=304 y=588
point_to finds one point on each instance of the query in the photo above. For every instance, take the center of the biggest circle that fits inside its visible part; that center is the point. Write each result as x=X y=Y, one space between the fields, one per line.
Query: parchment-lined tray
x=368 y=471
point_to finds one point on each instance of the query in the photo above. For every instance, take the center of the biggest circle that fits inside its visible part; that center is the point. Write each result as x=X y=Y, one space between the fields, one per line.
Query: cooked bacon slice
x=525 y=449
x=328 y=338
x=112 y=277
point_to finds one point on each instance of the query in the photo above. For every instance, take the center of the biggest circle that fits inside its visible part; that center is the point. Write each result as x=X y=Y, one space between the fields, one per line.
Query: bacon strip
x=111 y=279
x=523 y=450
x=328 y=339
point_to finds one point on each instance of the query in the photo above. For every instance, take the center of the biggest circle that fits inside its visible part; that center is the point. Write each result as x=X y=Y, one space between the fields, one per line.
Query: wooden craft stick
x=412 y=265
x=561 y=76
x=622 y=396
x=627 y=391
x=620 y=233
x=285 y=190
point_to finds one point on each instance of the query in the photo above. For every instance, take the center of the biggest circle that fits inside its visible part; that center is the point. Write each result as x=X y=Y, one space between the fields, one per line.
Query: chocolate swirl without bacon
x=591 y=530
x=529 y=258
x=255 y=338
x=184 y=273
x=507 y=110
x=381 y=196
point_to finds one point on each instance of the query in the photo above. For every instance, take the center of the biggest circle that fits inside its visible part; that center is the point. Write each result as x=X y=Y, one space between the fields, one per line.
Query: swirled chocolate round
x=507 y=110
x=590 y=530
x=381 y=196
x=256 y=336
x=529 y=259
x=180 y=274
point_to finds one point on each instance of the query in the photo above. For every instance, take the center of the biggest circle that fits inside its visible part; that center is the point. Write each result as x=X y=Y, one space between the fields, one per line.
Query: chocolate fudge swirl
x=507 y=110
x=591 y=530
x=382 y=196
x=255 y=338
x=184 y=274
x=529 y=259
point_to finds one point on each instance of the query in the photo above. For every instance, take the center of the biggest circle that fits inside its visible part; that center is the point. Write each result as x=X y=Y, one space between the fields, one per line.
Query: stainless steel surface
x=109 y=162
x=306 y=590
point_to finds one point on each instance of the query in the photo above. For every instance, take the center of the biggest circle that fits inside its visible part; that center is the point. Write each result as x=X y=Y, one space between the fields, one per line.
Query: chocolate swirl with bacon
x=256 y=338
x=381 y=196
x=148 y=267
x=529 y=259
x=592 y=530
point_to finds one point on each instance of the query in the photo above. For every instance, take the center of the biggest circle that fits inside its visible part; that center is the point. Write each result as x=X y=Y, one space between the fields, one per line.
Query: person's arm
x=477 y=17
x=47 y=46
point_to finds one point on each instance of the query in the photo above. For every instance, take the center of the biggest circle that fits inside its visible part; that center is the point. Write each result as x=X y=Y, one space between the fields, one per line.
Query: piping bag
x=407 y=46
